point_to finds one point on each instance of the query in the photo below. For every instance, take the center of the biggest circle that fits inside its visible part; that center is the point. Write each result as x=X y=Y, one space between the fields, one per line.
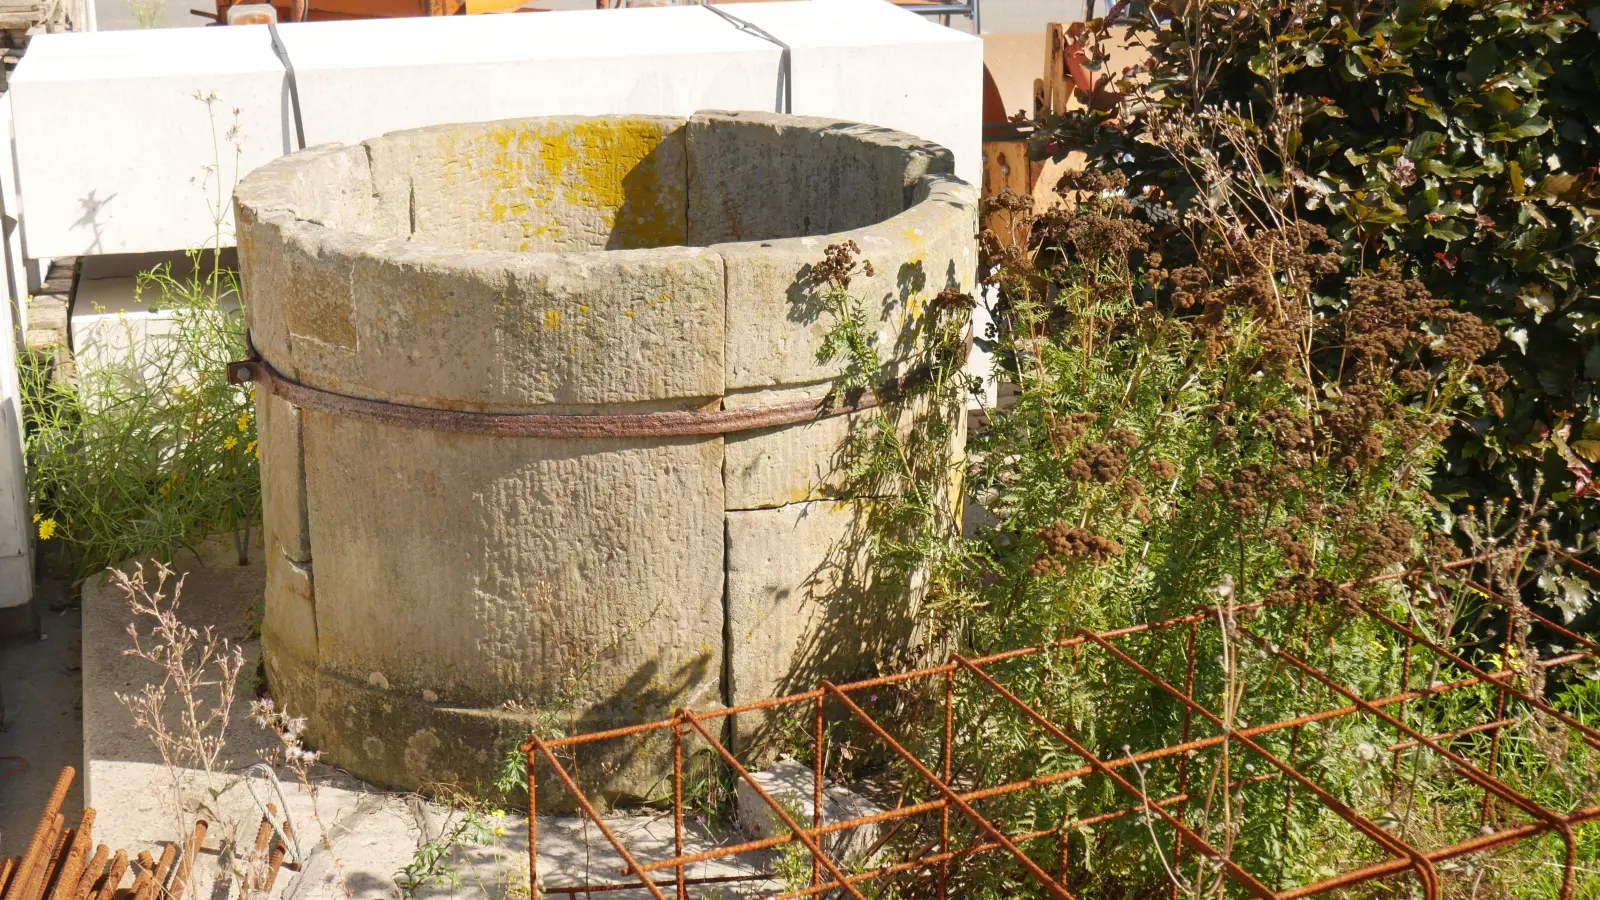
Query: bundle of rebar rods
x=58 y=865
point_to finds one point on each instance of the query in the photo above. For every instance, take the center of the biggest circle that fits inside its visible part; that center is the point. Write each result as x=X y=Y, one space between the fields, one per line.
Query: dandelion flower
x=230 y=442
x=37 y=516
x=243 y=422
x=47 y=529
x=251 y=448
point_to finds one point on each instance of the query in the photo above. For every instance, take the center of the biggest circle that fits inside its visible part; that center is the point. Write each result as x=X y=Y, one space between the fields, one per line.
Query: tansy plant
x=1245 y=423
x=1453 y=140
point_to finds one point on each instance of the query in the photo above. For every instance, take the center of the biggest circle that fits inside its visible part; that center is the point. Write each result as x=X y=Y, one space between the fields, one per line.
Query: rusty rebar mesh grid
x=58 y=863
x=1212 y=672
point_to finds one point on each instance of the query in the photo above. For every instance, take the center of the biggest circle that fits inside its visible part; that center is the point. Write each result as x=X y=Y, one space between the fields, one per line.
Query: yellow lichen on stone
x=919 y=246
x=552 y=319
x=603 y=183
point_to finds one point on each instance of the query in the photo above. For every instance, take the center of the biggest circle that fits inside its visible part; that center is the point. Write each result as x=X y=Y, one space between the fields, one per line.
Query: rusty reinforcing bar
x=1398 y=858
x=57 y=864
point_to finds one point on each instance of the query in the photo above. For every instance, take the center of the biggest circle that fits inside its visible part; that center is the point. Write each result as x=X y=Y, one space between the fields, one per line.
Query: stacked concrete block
x=791 y=784
x=435 y=594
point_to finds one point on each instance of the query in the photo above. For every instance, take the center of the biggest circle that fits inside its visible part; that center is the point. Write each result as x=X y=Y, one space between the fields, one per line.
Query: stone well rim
x=285 y=213
x=313 y=235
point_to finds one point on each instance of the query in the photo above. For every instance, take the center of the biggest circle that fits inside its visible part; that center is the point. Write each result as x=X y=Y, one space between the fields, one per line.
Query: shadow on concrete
x=43 y=727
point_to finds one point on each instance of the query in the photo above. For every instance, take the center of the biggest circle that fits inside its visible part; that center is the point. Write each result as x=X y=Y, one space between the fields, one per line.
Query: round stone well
x=438 y=584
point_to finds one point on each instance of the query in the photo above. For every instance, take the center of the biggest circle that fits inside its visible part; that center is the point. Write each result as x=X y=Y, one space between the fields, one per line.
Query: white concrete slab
x=790 y=783
x=16 y=539
x=15 y=271
x=115 y=317
x=85 y=191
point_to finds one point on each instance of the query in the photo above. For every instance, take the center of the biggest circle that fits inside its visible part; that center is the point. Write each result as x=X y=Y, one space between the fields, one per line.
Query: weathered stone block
x=815 y=176
x=790 y=464
x=330 y=184
x=805 y=604
x=792 y=784
x=263 y=273
x=915 y=255
x=773 y=467
x=291 y=605
x=473 y=330
x=283 y=480
x=541 y=185
x=559 y=573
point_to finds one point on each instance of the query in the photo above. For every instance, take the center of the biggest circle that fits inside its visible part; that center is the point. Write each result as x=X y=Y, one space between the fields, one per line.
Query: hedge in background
x=1456 y=140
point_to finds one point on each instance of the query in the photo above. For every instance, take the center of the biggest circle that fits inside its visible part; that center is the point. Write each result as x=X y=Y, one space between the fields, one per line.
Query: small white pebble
x=377 y=680
x=429 y=696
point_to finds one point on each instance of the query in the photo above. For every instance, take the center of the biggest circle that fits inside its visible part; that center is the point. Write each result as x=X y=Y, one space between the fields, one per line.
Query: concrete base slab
x=354 y=838
x=790 y=783
x=40 y=725
x=571 y=850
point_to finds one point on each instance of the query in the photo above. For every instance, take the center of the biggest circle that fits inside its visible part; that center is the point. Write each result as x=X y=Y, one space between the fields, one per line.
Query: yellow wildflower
x=37 y=516
x=244 y=422
x=47 y=528
x=251 y=448
x=230 y=442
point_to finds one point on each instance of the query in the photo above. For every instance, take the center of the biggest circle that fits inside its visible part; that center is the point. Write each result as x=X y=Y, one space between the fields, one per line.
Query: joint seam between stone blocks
x=302 y=500
x=727 y=621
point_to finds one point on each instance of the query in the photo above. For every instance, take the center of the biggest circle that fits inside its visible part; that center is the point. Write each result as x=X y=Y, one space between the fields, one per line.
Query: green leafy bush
x=1213 y=411
x=146 y=448
x=1211 y=436
x=1455 y=140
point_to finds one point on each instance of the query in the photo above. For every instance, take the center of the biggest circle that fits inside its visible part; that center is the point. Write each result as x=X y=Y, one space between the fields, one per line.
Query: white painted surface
x=12 y=266
x=114 y=326
x=85 y=191
x=16 y=545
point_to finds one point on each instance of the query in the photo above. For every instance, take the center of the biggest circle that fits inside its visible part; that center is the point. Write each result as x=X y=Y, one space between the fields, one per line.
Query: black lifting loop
x=785 y=59
x=294 y=87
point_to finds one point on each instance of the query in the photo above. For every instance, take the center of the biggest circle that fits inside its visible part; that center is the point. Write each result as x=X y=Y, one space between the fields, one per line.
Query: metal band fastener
x=785 y=55
x=290 y=81
x=562 y=425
